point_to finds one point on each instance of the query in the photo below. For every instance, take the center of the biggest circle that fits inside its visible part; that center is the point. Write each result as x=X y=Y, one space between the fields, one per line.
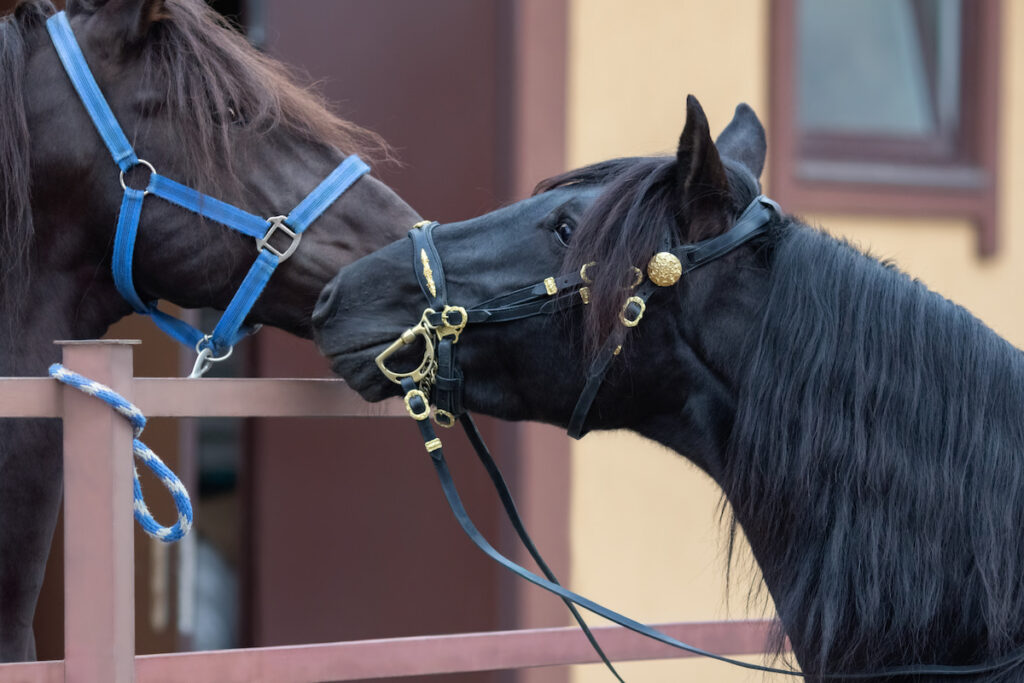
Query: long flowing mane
x=877 y=459
x=626 y=225
x=216 y=85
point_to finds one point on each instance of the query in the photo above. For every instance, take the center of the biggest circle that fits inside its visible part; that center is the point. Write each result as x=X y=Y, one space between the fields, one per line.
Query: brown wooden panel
x=351 y=536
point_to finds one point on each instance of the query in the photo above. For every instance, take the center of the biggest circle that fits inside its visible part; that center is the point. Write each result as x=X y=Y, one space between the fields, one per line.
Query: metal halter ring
x=205 y=358
x=413 y=413
x=140 y=162
x=583 y=272
x=633 y=322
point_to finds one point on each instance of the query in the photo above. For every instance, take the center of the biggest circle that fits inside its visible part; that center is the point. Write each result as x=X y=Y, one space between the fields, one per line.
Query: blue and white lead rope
x=143 y=453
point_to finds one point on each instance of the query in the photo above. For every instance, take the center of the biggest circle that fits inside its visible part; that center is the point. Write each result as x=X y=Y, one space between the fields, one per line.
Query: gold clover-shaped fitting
x=664 y=269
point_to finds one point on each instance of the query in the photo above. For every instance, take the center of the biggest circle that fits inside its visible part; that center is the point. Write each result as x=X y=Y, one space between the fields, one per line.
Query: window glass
x=878 y=67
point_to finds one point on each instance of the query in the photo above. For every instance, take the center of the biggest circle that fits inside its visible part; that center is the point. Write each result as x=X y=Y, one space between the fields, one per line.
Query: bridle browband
x=439 y=380
x=231 y=328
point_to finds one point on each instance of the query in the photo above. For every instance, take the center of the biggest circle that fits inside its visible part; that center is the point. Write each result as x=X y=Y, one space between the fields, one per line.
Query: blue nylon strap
x=227 y=331
x=124 y=247
x=206 y=206
x=179 y=330
x=333 y=186
x=230 y=329
x=82 y=79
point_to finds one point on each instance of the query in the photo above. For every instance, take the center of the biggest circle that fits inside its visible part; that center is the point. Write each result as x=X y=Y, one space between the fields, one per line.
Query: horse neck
x=67 y=295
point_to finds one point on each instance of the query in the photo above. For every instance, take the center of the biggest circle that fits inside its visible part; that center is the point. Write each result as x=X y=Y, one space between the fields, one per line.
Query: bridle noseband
x=231 y=328
x=438 y=375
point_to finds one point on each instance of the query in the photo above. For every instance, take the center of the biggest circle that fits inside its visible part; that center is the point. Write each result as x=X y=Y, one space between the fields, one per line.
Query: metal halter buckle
x=413 y=413
x=279 y=223
x=140 y=162
x=447 y=327
x=632 y=322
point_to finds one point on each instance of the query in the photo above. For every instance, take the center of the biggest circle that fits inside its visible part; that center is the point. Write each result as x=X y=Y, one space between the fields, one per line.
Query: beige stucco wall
x=646 y=536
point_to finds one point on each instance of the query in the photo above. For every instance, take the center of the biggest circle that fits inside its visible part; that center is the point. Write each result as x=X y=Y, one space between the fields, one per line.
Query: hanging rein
x=439 y=381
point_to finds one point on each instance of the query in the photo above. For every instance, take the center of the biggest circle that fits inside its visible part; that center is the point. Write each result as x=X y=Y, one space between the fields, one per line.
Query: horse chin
x=360 y=372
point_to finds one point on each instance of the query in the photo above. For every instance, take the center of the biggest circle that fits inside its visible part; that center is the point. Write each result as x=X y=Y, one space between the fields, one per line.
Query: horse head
x=606 y=220
x=200 y=106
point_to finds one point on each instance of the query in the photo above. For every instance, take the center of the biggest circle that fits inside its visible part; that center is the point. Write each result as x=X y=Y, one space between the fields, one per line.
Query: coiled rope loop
x=143 y=453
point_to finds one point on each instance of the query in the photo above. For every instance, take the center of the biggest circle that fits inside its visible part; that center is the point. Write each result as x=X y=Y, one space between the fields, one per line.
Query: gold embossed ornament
x=664 y=269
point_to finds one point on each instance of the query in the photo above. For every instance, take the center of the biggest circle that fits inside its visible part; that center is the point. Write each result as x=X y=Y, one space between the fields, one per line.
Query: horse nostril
x=322 y=311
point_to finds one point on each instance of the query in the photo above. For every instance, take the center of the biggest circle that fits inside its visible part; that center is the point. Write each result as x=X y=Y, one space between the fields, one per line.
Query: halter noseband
x=438 y=376
x=230 y=329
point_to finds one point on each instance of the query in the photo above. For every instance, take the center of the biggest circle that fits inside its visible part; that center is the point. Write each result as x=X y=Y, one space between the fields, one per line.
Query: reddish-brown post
x=99 y=589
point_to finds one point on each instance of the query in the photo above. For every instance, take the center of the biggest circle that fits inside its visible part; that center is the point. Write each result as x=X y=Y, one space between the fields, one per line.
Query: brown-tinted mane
x=216 y=84
x=215 y=81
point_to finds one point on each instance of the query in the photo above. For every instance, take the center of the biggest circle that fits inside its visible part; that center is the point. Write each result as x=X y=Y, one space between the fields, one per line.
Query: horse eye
x=564 y=231
x=233 y=116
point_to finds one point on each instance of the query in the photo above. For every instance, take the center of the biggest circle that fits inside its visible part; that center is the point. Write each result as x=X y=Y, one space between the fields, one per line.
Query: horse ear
x=744 y=141
x=130 y=20
x=701 y=183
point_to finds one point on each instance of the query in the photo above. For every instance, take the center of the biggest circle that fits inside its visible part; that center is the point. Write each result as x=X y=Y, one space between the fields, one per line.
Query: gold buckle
x=639 y=277
x=442 y=418
x=447 y=328
x=422 y=415
x=632 y=322
x=583 y=272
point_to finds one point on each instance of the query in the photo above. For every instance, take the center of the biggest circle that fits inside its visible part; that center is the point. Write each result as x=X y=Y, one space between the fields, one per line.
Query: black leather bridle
x=439 y=380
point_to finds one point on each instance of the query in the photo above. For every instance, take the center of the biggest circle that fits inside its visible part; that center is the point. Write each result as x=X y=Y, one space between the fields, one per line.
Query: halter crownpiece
x=217 y=345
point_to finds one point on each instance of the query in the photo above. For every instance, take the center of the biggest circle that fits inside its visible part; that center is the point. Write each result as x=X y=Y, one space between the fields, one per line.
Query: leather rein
x=439 y=381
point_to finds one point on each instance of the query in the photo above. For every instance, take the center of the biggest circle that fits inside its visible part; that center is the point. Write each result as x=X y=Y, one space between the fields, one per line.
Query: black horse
x=208 y=110
x=867 y=433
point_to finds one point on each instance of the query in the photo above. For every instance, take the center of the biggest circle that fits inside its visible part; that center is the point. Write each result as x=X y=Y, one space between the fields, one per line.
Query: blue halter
x=230 y=329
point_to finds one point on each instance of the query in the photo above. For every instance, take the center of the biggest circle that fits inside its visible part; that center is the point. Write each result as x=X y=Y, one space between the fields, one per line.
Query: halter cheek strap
x=272 y=248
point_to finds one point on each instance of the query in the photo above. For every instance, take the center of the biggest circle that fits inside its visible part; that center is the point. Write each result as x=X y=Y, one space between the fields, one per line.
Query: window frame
x=906 y=176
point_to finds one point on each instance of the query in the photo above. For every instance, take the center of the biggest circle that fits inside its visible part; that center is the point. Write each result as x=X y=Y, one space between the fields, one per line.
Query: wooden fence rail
x=99 y=630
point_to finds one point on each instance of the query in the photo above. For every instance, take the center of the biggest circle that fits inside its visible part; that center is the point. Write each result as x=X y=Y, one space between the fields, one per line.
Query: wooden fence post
x=99 y=588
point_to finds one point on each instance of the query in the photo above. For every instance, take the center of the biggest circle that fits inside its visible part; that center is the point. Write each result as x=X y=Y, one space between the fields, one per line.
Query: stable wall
x=645 y=528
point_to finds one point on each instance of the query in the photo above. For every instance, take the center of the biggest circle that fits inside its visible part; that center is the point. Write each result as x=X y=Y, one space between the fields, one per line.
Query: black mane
x=627 y=224
x=877 y=454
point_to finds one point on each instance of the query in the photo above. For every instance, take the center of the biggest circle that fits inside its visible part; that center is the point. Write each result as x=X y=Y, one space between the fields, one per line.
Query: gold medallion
x=664 y=269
